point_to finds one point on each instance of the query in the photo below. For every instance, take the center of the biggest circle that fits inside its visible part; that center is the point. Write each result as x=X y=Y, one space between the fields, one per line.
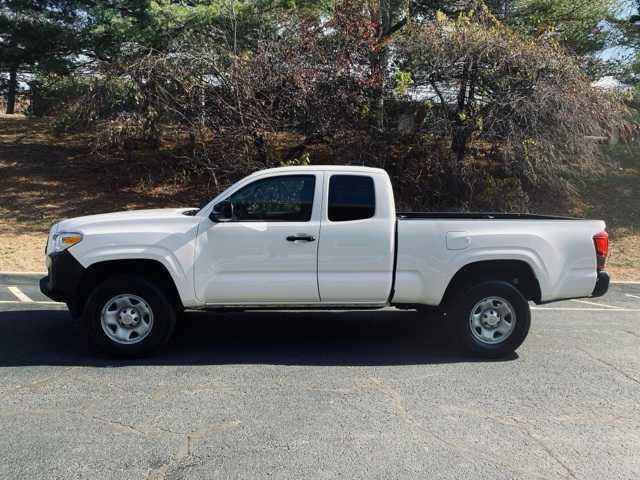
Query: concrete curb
x=20 y=278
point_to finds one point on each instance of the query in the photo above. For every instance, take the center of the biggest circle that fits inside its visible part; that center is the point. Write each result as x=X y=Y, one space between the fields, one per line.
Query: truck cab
x=299 y=236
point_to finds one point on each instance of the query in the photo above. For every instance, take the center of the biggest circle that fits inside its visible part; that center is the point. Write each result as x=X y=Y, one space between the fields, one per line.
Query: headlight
x=64 y=240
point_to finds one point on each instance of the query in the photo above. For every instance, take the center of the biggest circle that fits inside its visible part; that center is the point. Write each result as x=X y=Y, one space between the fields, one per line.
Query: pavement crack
x=183 y=452
x=631 y=333
x=392 y=394
x=43 y=381
x=115 y=424
x=398 y=404
x=470 y=454
x=212 y=428
x=169 y=431
x=185 y=449
x=524 y=428
x=610 y=365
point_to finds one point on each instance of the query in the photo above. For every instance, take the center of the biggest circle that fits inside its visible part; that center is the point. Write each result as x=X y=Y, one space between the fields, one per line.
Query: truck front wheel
x=490 y=319
x=129 y=316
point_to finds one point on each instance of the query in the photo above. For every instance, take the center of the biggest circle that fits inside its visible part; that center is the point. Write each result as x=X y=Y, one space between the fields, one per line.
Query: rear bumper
x=63 y=279
x=602 y=285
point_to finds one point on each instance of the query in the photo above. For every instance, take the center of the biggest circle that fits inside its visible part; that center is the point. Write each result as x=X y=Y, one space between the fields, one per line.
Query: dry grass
x=44 y=178
x=616 y=198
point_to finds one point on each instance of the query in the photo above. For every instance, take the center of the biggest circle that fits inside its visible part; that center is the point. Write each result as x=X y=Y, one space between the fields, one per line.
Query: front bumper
x=602 y=285
x=63 y=279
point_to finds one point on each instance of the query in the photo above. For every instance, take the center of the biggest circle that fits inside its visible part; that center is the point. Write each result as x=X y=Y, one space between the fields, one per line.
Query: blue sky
x=626 y=9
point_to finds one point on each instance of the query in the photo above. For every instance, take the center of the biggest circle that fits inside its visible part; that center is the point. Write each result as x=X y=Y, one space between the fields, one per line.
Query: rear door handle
x=302 y=237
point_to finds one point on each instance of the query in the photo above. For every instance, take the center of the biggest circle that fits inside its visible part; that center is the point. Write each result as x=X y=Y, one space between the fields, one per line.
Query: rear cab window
x=351 y=197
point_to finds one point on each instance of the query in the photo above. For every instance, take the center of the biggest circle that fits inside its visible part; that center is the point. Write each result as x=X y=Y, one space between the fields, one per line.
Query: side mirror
x=222 y=211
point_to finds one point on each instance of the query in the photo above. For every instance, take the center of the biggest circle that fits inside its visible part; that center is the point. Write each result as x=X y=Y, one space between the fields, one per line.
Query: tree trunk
x=13 y=86
x=380 y=60
x=378 y=68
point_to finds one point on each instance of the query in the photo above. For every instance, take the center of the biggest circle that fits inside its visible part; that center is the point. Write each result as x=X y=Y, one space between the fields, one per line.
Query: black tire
x=462 y=306
x=163 y=309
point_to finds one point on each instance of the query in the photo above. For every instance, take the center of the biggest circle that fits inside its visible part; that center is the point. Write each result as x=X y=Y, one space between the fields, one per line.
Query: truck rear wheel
x=490 y=319
x=129 y=316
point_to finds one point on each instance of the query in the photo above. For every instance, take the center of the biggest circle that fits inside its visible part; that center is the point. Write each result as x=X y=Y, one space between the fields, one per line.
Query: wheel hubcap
x=492 y=320
x=126 y=319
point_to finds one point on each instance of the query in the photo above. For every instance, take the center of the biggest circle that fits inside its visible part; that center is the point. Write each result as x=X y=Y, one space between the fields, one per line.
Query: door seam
x=320 y=237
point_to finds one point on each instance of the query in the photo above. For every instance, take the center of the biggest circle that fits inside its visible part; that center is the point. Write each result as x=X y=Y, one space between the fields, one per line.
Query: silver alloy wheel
x=492 y=320
x=126 y=319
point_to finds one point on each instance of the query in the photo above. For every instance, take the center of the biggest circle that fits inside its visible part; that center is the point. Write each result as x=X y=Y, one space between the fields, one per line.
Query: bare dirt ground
x=616 y=199
x=44 y=178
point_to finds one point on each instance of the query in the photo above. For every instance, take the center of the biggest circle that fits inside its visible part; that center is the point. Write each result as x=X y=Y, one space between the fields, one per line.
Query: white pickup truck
x=318 y=237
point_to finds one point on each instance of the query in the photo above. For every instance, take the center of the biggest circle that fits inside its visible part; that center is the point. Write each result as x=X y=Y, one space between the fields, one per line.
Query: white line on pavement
x=632 y=296
x=576 y=309
x=19 y=294
x=16 y=302
x=593 y=303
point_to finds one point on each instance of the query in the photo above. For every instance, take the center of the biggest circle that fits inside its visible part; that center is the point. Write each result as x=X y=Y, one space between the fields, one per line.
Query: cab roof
x=321 y=168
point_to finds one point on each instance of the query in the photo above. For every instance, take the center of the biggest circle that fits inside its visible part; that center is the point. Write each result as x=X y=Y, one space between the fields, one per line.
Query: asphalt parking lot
x=321 y=395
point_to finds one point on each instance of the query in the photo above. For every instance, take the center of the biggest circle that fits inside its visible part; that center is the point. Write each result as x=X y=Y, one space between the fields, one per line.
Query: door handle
x=303 y=237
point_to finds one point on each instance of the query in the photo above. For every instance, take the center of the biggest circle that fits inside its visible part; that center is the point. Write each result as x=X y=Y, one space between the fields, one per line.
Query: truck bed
x=559 y=251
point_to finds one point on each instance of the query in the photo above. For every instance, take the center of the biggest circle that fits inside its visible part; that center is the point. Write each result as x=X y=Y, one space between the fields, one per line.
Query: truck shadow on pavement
x=51 y=337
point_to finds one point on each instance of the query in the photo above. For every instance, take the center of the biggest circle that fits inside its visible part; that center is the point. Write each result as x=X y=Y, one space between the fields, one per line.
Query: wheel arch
x=98 y=272
x=516 y=272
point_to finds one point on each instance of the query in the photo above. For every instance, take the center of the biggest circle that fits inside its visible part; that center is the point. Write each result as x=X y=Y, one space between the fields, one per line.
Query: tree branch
x=386 y=36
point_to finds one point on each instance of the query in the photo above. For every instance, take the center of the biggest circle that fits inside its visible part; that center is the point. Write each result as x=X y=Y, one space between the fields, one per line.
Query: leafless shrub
x=502 y=114
x=506 y=99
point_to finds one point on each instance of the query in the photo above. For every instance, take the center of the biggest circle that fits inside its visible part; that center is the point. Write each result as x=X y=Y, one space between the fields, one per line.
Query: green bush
x=102 y=99
x=52 y=94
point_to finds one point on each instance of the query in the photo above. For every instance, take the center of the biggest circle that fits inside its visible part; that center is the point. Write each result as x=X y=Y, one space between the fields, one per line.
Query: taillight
x=601 y=242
